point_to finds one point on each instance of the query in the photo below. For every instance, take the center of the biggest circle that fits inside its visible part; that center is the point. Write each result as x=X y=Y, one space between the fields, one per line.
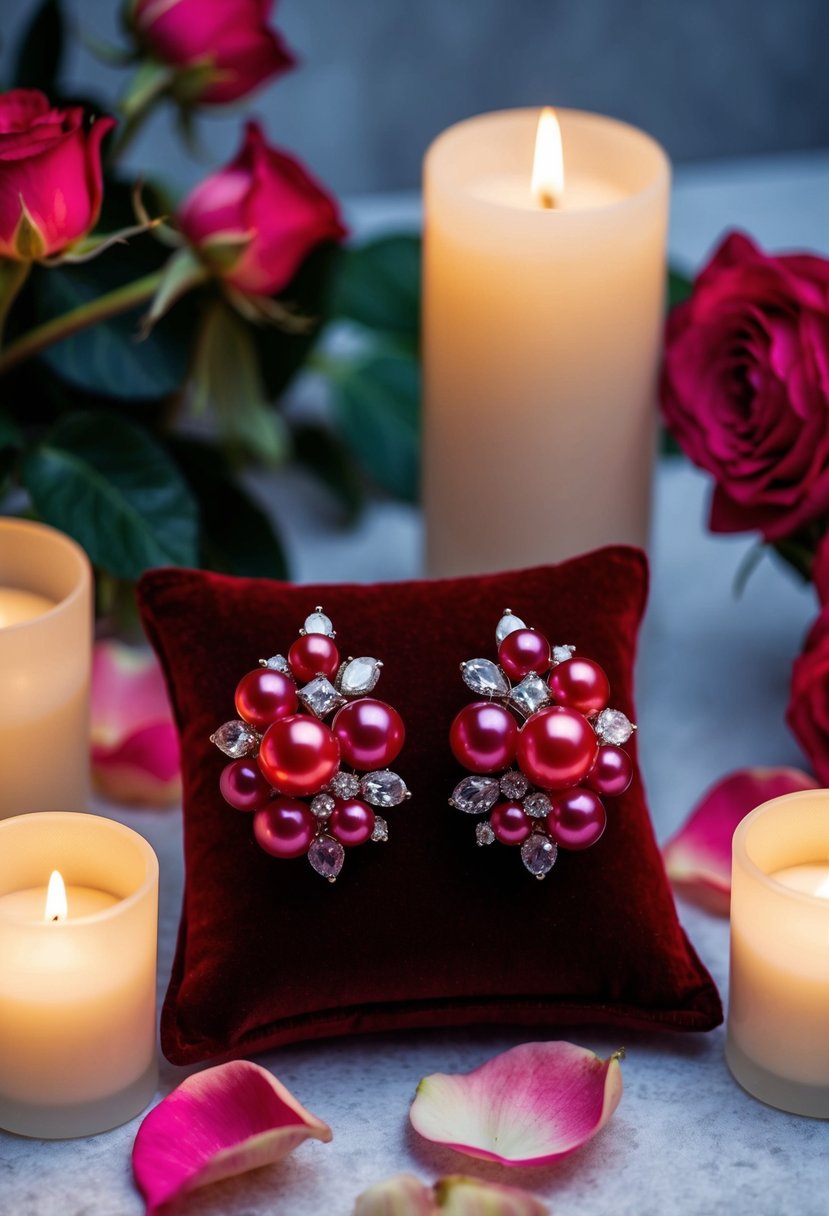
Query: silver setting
x=318 y=622
x=380 y=831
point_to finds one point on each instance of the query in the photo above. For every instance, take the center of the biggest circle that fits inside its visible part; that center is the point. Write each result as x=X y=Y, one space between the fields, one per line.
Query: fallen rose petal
x=529 y=1106
x=220 y=1122
x=698 y=857
x=402 y=1195
x=460 y=1196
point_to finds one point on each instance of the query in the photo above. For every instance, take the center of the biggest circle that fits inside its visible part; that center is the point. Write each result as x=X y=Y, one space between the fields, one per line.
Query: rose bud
x=808 y=710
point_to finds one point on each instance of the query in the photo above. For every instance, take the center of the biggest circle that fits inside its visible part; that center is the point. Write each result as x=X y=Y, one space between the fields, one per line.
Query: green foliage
x=40 y=52
x=680 y=287
x=377 y=403
x=324 y=454
x=378 y=286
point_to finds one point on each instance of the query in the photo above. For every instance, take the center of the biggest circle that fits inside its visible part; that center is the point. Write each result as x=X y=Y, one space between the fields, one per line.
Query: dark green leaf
x=10 y=434
x=378 y=407
x=325 y=456
x=668 y=446
x=378 y=285
x=40 y=50
x=109 y=484
x=679 y=287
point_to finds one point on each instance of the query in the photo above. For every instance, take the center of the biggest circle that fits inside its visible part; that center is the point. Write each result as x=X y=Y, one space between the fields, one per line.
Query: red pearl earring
x=539 y=783
x=282 y=751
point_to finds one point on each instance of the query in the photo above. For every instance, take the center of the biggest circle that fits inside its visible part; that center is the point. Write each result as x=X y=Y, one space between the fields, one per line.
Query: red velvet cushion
x=429 y=929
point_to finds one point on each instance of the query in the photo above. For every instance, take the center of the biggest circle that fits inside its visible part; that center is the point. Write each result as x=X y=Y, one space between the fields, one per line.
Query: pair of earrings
x=316 y=789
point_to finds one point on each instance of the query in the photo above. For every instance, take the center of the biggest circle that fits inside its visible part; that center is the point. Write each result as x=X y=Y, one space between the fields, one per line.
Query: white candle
x=17 y=606
x=77 y=984
x=778 y=1017
x=542 y=332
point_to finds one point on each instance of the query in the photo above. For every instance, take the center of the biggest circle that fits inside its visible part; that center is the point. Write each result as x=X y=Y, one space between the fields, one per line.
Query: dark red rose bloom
x=808 y=711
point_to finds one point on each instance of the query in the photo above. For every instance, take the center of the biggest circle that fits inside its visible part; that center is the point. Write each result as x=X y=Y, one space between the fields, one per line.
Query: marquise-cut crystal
x=318 y=622
x=236 y=739
x=344 y=785
x=484 y=834
x=320 y=696
x=383 y=788
x=359 y=676
x=531 y=694
x=508 y=624
x=326 y=855
x=322 y=805
x=537 y=805
x=475 y=794
x=612 y=726
x=277 y=662
x=538 y=854
x=485 y=678
x=514 y=784
x=380 y=831
x=562 y=653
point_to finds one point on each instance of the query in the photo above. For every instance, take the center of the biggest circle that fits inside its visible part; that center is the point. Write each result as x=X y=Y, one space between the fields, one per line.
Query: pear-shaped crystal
x=359 y=676
x=318 y=622
x=485 y=678
x=380 y=831
x=475 y=794
x=612 y=726
x=508 y=624
x=326 y=855
x=236 y=739
x=538 y=854
x=384 y=788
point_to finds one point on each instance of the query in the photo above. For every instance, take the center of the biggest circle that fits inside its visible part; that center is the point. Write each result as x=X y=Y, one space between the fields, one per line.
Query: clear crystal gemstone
x=359 y=676
x=539 y=854
x=320 y=696
x=484 y=834
x=475 y=794
x=279 y=663
x=383 y=788
x=485 y=678
x=531 y=694
x=318 y=622
x=322 y=805
x=508 y=624
x=537 y=805
x=562 y=653
x=344 y=785
x=612 y=726
x=326 y=855
x=236 y=739
x=380 y=831
x=514 y=784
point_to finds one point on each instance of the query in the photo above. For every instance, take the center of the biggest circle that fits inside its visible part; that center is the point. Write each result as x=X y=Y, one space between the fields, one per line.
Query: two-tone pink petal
x=456 y=1195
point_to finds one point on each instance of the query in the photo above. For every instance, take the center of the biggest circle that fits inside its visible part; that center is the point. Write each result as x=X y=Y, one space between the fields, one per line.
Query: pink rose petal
x=698 y=857
x=529 y=1106
x=402 y=1195
x=456 y=1195
x=220 y=1122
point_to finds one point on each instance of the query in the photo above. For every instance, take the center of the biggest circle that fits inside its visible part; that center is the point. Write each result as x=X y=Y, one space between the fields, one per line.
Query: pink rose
x=808 y=711
x=50 y=175
x=266 y=196
x=230 y=36
x=745 y=387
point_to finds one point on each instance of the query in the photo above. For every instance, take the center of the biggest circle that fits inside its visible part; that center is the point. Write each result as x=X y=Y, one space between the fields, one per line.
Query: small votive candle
x=778 y=1018
x=77 y=979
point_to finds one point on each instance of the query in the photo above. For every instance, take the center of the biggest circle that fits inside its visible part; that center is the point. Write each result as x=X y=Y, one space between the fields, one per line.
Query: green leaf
x=40 y=50
x=10 y=434
x=378 y=285
x=680 y=287
x=110 y=485
x=324 y=455
x=377 y=403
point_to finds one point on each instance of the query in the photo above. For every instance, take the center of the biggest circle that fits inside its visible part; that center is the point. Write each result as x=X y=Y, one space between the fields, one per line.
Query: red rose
x=745 y=387
x=50 y=175
x=267 y=197
x=820 y=570
x=808 y=712
x=231 y=36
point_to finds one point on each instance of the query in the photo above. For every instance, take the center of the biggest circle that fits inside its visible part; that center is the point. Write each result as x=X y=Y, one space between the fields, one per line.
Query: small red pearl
x=556 y=748
x=314 y=654
x=510 y=822
x=577 y=818
x=285 y=828
x=482 y=737
x=370 y=734
x=263 y=696
x=523 y=651
x=298 y=755
x=580 y=684
x=243 y=786
x=351 y=822
x=612 y=773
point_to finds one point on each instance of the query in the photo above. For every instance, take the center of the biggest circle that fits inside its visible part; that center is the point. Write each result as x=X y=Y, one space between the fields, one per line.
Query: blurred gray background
x=380 y=78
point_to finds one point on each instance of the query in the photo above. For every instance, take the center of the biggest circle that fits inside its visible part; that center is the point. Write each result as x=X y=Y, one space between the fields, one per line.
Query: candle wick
x=547 y=200
x=55 y=919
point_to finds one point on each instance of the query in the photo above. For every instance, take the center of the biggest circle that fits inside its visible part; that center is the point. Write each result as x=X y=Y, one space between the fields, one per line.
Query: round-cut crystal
x=508 y=624
x=344 y=785
x=537 y=805
x=612 y=726
x=475 y=794
x=538 y=854
x=318 y=622
x=326 y=855
x=562 y=653
x=384 y=788
x=322 y=805
x=278 y=662
x=514 y=784
x=359 y=676
x=484 y=834
x=235 y=739
x=485 y=678
x=380 y=831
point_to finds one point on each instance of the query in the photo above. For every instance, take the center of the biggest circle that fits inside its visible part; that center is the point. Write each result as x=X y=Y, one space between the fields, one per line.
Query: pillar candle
x=541 y=339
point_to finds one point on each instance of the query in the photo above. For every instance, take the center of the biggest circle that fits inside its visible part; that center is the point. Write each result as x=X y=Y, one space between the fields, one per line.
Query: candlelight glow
x=823 y=889
x=548 y=163
x=56 y=908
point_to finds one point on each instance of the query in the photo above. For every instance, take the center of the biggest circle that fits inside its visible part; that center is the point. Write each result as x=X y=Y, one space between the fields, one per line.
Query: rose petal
x=218 y=1123
x=698 y=857
x=460 y=1196
x=528 y=1106
x=402 y=1195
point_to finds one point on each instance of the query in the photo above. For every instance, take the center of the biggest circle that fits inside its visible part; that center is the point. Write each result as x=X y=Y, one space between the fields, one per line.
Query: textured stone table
x=712 y=687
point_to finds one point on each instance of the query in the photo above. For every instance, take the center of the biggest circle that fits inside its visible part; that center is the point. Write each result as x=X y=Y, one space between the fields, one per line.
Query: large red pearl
x=285 y=828
x=482 y=737
x=370 y=733
x=577 y=818
x=580 y=684
x=298 y=755
x=314 y=654
x=612 y=773
x=351 y=822
x=264 y=695
x=556 y=748
x=510 y=822
x=523 y=651
x=243 y=786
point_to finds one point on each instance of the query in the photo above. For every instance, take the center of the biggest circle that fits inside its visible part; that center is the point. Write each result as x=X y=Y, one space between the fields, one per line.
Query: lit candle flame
x=56 y=908
x=548 y=164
